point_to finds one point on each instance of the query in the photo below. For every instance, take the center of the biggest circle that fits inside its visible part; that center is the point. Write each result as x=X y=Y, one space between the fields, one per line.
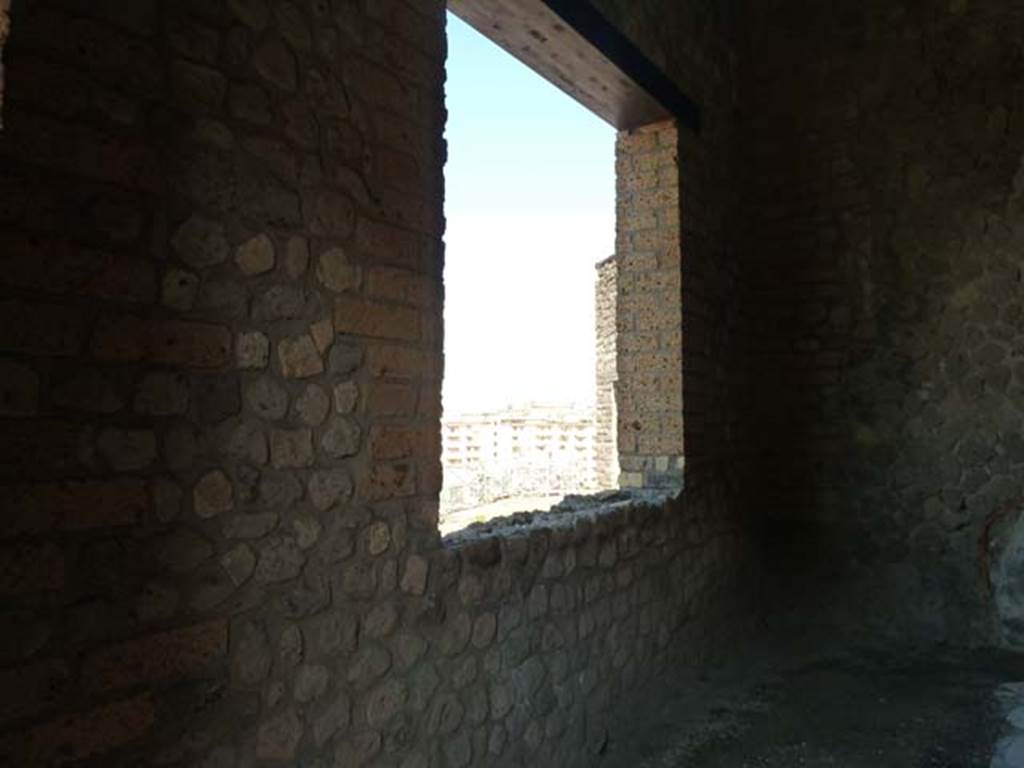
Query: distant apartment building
x=532 y=450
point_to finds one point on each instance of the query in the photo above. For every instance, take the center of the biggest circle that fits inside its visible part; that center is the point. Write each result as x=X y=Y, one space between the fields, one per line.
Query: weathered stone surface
x=255 y=13
x=445 y=715
x=328 y=487
x=267 y=398
x=256 y=255
x=307 y=531
x=296 y=257
x=329 y=634
x=414 y=578
x=180 y=289
x=312 y=405
x=290 y=448
x=289 y=645
x=201 y=242
x=280 y=302
x=250 y=526
x=310 y=682
x=293 y=25
x=322 y=333
x=251 y=658
x=278 y=737
x=278 y=490
x=246 y=441
x=127 y=449
x=378 y=538
x=344 y=359
x=88 y=390
x=197 y=88
x=182 y=550
x=280 y=559
x=329 y=213
x=346 y=395
x=239 y=563
x=340 y=438
x=368 y=665
x=223 y=299
x=385 y=702
x=252 y=350
x=299 y=358
x=250 y=103
x=336 y=272
x=455 y=635
x=334 y=719
x=162 y=394
x=156 y=602
x=213 y=495
x=167 y=498
x=217 y=397
x=276 y=64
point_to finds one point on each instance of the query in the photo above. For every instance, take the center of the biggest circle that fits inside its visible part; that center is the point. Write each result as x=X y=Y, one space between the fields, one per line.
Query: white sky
x=530 y=205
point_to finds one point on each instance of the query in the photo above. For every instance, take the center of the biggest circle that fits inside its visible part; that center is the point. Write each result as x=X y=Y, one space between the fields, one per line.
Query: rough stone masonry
x=221 y=356
x=220 y=368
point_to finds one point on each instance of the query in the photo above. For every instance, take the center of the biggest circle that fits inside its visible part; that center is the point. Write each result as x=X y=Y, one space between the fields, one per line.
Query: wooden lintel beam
x=572 y=45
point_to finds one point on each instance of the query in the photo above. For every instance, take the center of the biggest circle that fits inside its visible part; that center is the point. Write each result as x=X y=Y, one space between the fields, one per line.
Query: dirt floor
x=853 y=710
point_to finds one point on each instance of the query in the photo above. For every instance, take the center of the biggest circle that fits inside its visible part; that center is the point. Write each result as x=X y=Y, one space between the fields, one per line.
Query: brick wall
x=716 y=327
x=885 y=228
x=648 y=310
x=220 y=342
x=606 y=452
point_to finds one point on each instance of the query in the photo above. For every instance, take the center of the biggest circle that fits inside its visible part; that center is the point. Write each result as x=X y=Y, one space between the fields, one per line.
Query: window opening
x=530 y=208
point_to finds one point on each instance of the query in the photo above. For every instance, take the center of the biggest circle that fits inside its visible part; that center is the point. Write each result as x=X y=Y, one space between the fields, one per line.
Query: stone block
x=278 y=738
x=291 y=448
x=179 y=290
x=346 y=395
x=200 y=242
x=328 y=213
x=296 y=257
x=126 y=450
x=280 y=559
x=213 y=495
x=328 y=487
x=312 y=406
x=254 y=525
x=299 y=358
x=252 y=350
x=256 y=255
x=162 y=394
x=341 y=437
x=336 y=272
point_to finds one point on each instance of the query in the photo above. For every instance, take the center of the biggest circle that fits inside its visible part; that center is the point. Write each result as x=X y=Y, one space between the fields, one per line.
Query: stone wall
x=648 y=310
x=5 y=29
x=220 y=341
x=885 y=147
x=716 y=325
x=606 y=451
